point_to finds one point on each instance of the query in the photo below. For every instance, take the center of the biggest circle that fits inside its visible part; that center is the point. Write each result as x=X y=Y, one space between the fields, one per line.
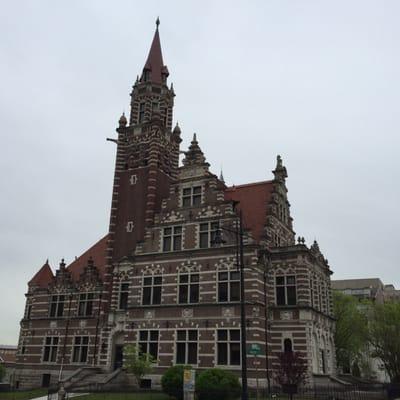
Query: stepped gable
x=43 y=277
x=97 y=253
x=253 y=200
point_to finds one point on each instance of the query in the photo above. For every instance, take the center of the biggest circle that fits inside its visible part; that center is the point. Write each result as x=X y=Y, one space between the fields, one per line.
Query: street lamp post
x=240 y=263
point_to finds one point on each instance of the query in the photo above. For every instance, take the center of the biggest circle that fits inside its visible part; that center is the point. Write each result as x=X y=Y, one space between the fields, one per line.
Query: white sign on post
x=189 y=380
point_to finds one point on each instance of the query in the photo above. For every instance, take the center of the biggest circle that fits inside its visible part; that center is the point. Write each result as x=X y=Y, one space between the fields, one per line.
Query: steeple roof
x=43 y=277
x=194 y=155
x=155 y=63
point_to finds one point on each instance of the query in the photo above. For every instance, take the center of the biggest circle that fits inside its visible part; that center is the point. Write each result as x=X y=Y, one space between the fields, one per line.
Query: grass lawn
x=23 y=395
x=125 y=396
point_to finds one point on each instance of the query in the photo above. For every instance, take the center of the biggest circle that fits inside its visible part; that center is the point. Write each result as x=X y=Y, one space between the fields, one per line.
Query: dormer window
x=191 y=196
x=146 y=75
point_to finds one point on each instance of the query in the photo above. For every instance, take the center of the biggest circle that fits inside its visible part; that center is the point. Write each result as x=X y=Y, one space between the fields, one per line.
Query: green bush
x=172 y=381
x=217 y=384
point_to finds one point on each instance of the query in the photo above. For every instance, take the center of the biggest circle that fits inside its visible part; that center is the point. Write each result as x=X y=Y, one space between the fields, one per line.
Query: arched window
x=287 y=346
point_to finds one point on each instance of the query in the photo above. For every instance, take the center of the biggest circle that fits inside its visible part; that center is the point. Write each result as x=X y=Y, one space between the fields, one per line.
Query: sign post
x=255 y=350
x=189 y=378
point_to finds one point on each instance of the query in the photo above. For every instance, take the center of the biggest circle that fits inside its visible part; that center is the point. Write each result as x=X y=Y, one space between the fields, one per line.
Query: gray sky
x=314 y=81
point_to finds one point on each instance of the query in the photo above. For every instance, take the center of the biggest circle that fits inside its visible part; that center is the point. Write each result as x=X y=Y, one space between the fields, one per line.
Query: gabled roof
x=43 y=277
x=253 y=200
x=97 y=252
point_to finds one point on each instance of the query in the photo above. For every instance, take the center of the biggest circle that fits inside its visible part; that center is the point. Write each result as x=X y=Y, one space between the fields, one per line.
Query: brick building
x=158 y=280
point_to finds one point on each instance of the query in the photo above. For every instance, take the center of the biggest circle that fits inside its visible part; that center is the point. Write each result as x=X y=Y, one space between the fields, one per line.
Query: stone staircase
x=90 y=379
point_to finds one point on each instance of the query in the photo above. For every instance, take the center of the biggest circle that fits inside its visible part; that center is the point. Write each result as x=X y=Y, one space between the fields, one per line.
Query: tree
x=351 y=334
x=2 y=372
x=384 y=336
x=137 y=363
x=217 y=384
x=172 y=381
x=292 y=369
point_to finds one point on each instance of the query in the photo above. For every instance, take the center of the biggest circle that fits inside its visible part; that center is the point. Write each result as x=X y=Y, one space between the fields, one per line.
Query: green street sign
x=254 y=350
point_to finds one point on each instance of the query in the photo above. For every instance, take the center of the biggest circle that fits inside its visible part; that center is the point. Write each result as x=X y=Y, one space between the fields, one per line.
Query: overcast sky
x=314 y=81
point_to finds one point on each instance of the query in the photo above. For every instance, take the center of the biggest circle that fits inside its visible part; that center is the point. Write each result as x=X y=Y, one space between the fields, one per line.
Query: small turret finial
x=157 y=22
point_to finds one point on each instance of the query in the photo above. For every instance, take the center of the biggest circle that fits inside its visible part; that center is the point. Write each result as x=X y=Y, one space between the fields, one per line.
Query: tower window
x=188 y=288
x=207 y=233
x=123 y=296
x=186 y=347
x=152 y=290
x=191 y=196
x=285 y=290
x=172 y=238
x=141 y=112
x=228 y=342
x=228 y=286
x=287 y=346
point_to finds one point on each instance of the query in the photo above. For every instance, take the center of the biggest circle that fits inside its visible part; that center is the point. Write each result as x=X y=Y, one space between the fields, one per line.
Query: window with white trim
x=186 y=346
x=152 y=290
x=188 y=287
x=57 y=305
x=148 y=343
x=191 y=196
x=85 y=306
x=50 y=349
x=172 y=238
x=207 y=232
x=228 y=347
x=285 y=287
x=81 y=349
x=228 y=286
x=123 y=295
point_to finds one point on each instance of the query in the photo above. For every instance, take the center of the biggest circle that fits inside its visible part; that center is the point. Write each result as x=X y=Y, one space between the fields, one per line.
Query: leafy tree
x=384 y=336
x=137 y=363
x=292 y=369
x=217 y=384
x=2 y=372
x=172 y=381
x=351 y=334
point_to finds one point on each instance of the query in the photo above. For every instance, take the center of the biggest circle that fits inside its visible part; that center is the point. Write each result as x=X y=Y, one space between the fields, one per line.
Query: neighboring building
x=391 y=293
x=7 y=359
x=363 y=289
x=158 y=279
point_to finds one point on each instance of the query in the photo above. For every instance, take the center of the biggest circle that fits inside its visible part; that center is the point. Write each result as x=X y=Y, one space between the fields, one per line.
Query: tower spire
x=154 y=69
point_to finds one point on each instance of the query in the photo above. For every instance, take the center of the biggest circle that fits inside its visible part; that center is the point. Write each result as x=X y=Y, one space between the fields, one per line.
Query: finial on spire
x=122 y=121
x=221 y=176
x=194 y=138
x=157 y=23
x=280 y=172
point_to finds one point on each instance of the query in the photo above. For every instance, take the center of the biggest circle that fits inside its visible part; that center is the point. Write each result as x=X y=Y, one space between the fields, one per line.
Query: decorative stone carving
x=286 y=315
x=228 y=312
x=187 y=313
x=149 y=314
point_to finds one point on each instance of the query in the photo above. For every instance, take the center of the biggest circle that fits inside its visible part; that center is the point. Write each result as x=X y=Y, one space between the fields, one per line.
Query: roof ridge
x=233 y=187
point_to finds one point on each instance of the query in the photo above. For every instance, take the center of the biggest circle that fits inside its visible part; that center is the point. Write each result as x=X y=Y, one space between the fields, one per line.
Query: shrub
x=172 y=381
x=217 y=384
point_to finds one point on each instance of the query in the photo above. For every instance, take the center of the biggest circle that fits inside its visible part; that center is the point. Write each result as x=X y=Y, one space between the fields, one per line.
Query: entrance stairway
x=92 y=379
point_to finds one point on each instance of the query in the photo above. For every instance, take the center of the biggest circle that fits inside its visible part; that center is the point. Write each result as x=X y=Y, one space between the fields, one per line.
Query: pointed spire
x=221 y=176
x=43 y=277
x=122 y=121
x=154 y=69
x=194 y=156
x=280 y=172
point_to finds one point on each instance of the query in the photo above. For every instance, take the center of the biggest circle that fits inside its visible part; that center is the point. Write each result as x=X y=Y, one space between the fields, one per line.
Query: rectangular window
x=207 y=233
x=229 y=286
x=186 y=347
x=148 y=343
x=191 y=197
x=172 y=238
x=188 y=288
x=228 y=347
x=80 y=350
x=123 y=296
x=152 y=290
x=29 y=311
x=85 y=306
x=141 y=112
x=57 y=305
x=285 y=287
x=50 y=349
